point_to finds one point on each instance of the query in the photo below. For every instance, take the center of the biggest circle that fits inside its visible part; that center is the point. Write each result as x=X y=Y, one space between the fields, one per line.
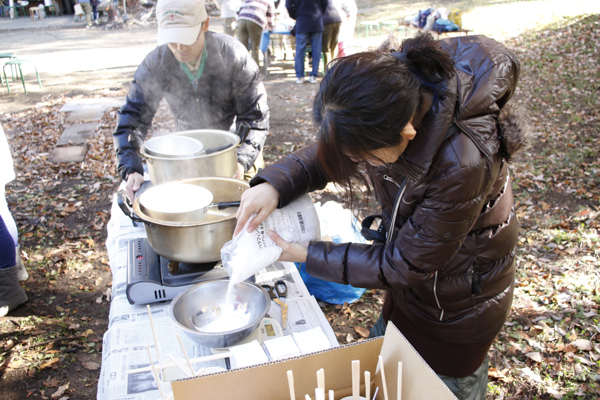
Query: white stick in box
x=355 y=380
x=319 y=394
x=331 y=395
x=399 y=397
x=290 y=376
x=367 y=385
x=385 y=392
x=321 y=379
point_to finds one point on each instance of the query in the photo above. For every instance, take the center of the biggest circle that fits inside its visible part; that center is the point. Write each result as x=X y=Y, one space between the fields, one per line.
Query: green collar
x=195 y=79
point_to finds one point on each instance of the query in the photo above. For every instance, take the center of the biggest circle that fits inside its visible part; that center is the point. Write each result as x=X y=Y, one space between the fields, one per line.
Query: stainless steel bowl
x=173 y=146
x=176 y=202
x=214 y=318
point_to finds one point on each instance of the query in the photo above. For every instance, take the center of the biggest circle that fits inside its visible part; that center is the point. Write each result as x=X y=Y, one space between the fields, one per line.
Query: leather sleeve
x=427 y=242
x=250 y=147
x=294 y=175
x=135 y=118
x=251 y=111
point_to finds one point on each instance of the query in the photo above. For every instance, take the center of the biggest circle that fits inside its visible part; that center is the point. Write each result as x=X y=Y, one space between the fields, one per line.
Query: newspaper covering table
x=130 y=332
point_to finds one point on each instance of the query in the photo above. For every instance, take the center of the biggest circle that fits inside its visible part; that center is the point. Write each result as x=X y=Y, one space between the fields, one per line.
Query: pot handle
x=224 y=205
x=215 y=149
x=125 y=206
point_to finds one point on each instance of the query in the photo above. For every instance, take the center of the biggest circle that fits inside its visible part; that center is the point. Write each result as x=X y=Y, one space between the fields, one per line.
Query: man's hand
x=239 y=173
x=294 y=252
x=261 y=199
x=134 y=181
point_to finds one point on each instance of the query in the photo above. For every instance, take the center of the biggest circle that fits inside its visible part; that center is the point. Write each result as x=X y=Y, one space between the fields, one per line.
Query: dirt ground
x=51 y=348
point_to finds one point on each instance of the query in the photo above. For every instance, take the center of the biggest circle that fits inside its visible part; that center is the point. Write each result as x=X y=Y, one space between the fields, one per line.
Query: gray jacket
x=230 y=89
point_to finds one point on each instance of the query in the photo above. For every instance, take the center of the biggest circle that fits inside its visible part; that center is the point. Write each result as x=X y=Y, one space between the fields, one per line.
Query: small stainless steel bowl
x=176 y=202
x=173 y=146
x=209 y=317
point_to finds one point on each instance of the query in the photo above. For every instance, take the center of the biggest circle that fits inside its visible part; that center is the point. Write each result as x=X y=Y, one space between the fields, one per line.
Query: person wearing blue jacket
x=309 y=27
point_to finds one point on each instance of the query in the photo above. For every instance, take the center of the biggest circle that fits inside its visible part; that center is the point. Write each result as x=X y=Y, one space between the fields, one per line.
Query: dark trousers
x=316 y=42
x=330 y=41
x=7 y=247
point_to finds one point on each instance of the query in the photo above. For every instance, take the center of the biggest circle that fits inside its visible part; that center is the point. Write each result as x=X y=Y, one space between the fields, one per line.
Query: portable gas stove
x=152 y=278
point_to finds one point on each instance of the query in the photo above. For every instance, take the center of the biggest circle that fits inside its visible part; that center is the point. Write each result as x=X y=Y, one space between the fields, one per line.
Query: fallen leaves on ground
x=61 y=390
x=92 y=366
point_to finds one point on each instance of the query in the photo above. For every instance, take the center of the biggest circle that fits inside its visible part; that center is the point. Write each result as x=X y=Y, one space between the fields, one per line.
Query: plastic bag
x=342 y=227
x=248 y=253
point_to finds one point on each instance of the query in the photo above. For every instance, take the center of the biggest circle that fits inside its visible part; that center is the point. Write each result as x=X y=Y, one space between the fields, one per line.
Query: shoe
x=96 y=22
x=88 y=26
x=12 y=294
x=299 y=80
x=312 y=79
x=22 y=274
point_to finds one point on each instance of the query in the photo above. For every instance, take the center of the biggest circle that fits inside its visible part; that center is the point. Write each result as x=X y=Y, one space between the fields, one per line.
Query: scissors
x=277 y=292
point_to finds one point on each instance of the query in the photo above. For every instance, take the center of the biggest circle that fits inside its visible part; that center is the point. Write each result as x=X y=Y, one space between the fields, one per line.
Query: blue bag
x=444 y=25
x=342 y=227
x=329 y=292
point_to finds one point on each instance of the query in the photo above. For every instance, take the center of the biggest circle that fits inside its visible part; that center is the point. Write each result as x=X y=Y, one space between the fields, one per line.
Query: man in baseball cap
x=179 y=21
x=209 y=81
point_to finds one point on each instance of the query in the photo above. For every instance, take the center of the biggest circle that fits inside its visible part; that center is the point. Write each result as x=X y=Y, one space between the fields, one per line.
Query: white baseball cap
x=179 y=21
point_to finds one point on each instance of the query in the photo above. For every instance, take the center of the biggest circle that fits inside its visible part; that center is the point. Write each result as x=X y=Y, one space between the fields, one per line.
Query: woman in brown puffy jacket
x=427 y=125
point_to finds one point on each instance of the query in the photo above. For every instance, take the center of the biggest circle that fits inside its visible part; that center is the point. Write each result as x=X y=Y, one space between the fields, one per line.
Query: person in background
x=11 y=267
x=348 y=12
x=309 y=29
x=331 y=29
x=87 y=9
x=229 y=9
x=208 y=80
x=254 y=17
x=429 y=126
x=95 y=4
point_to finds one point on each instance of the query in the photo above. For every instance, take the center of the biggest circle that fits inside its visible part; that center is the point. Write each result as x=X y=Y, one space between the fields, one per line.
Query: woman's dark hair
x=366 y=99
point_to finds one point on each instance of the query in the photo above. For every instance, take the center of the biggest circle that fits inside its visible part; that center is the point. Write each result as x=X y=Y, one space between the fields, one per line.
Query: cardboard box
x=269 y=381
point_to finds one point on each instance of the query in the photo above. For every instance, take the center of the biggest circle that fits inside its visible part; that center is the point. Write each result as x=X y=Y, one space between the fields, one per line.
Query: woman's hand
x=294 y=252
x=262 y=200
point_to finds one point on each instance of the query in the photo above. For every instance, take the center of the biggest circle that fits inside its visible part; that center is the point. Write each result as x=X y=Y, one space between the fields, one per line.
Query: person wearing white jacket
x=348 y=11
x=229 y=10
x=11 y=267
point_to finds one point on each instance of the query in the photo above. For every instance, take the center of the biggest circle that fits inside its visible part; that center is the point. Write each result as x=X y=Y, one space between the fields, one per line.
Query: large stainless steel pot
x=194 y=242
x=218 y=158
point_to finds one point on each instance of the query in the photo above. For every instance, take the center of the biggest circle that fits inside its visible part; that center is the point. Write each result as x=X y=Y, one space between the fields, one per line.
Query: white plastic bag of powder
x=248 y=253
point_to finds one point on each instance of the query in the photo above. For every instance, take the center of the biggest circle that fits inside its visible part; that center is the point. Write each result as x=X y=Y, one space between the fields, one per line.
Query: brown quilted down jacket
x=450 y=264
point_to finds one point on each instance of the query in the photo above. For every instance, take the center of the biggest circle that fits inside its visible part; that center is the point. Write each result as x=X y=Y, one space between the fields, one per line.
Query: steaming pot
x=193 y=241
x=218 y=158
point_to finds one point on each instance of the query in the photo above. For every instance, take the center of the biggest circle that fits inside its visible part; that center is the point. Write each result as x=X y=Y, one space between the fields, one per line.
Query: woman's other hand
x=294 y=252
x=262 y=200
